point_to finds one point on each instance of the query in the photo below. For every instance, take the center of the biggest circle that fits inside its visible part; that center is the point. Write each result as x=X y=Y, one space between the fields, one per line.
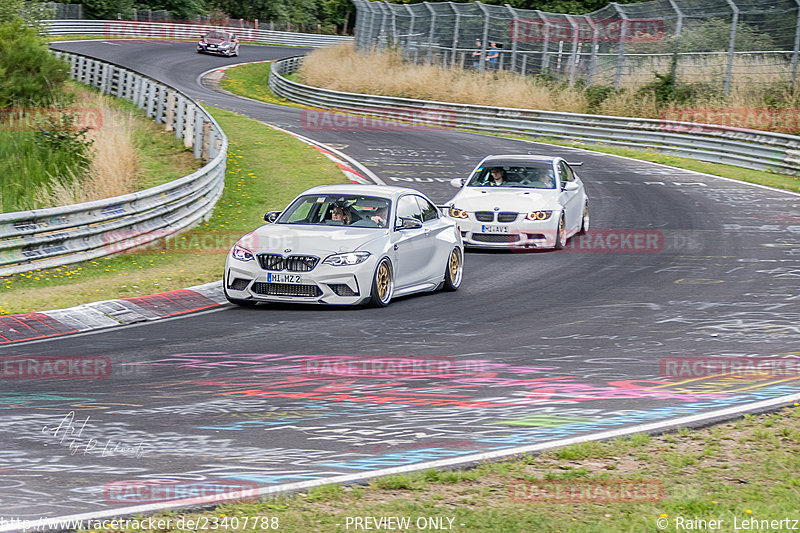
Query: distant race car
x=346 y=244
x=520 y=201
x=219 y=42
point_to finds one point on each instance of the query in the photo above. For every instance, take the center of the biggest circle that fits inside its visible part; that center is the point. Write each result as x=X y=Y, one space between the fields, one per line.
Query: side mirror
x=408 y=223
x=570 y=186
x=458 y=182
x=272 y=216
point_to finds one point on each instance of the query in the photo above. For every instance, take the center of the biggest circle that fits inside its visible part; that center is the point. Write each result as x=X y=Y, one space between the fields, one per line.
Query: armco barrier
x=58 y=236
x=168 y=30
x=753 y=149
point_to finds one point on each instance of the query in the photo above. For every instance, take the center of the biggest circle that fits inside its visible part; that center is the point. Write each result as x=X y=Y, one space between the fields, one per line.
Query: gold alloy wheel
x=455 y=265
x=382 y=281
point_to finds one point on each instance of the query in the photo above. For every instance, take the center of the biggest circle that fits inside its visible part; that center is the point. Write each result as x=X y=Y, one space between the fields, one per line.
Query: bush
x=29 y=74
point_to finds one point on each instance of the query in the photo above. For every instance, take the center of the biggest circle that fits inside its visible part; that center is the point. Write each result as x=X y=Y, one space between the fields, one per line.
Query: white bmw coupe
x=346 y=244
x=520 y=201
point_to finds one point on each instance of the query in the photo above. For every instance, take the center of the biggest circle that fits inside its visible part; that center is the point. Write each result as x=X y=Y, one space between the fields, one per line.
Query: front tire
x=382 y=284
x=585 y=220
x=454 y=271
x=561 y=234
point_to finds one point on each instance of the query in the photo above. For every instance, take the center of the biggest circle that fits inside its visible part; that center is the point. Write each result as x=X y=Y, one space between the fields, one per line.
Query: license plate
x=283 y=278
x=494 y=229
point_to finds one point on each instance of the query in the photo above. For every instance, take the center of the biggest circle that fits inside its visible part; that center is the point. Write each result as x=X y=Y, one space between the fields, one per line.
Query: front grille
x=270 y=261
x=342 y=289
x=484 y=216
x=300 y=263
x=506 y=216
x=239 y=284
x=495 y=237
x=286 y=289
x=293 y=263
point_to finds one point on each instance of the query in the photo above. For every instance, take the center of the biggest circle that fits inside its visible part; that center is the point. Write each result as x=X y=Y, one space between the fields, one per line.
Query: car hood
x=311 y=240
x=510 y=199
x=214 y=41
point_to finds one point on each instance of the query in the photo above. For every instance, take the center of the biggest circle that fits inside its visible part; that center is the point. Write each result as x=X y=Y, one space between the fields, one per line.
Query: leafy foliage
x=29 y=74
x=61 y=135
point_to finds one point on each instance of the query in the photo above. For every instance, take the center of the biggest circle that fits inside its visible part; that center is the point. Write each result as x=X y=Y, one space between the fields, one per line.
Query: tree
x=10 y=9
x=29 y=74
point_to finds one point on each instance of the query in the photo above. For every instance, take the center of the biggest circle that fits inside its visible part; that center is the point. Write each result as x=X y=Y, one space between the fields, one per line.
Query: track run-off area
x=533 y=350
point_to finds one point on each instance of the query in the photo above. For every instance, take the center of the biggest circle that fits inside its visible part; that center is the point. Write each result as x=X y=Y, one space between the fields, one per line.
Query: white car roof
x=518 y=157
x=380 y=191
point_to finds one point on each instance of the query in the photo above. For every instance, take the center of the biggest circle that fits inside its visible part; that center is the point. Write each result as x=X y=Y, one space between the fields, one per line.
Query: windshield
x=217 y=35
x=529 y=175
x=337 y=210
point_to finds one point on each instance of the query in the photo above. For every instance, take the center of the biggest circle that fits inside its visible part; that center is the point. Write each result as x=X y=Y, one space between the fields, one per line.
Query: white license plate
x=494 y=229
x=283 y=278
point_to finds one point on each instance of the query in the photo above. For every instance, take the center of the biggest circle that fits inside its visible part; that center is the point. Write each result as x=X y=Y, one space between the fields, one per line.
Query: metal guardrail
x=753 y=149
x=58 y=236
x=167 y=30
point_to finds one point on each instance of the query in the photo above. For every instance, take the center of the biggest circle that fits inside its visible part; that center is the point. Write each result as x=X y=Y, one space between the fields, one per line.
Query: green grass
x=26 y=167
x=758 y=478
x=266 y=169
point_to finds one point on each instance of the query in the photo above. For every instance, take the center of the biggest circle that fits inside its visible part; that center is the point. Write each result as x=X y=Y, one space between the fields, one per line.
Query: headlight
x=538 y=215
x=352 y=258
x=457 y=213
x=242 y=254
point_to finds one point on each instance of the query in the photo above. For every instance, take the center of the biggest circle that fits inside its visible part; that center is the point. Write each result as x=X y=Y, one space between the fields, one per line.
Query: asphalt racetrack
x=534 y=347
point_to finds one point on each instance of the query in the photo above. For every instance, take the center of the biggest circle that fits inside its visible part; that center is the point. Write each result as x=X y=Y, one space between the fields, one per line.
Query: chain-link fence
x=717 y=42
x=55 y=10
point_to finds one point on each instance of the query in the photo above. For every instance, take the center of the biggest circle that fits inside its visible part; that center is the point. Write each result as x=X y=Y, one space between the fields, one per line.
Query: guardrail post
x=197 y=133
x=731 y=45
x=180 y=118
x=395 y=40
x=169 y=118
x=595 y=47
x=150 y=109
x=796 y=46
x=411 y=31
x=188 y=126
x=160 y=104
x=206 y=142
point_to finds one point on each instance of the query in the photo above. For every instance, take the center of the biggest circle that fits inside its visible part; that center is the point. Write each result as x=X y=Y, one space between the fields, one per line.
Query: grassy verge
x=266 y=169
x=744 y=470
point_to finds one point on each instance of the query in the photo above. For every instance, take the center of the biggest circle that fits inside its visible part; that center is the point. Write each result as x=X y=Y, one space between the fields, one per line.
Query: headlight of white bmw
x=539 y=215
x=242 y=254
x=457 y=213
x=352 y=258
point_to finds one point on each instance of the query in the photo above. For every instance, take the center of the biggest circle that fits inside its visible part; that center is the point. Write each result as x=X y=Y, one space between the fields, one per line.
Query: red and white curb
x=109 y=313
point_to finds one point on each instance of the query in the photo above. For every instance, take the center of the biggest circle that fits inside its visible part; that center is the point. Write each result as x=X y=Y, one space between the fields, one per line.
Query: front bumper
x=516 y=235
x=325 y=284
x=216 y=50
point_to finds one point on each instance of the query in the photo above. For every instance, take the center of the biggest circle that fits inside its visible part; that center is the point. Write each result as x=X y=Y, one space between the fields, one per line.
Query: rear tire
x=454 y=271
x=382 y=284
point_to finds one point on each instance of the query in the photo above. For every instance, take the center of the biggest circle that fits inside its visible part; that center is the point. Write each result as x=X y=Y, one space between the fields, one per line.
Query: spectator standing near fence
x=476 y=55
x=493 y=55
